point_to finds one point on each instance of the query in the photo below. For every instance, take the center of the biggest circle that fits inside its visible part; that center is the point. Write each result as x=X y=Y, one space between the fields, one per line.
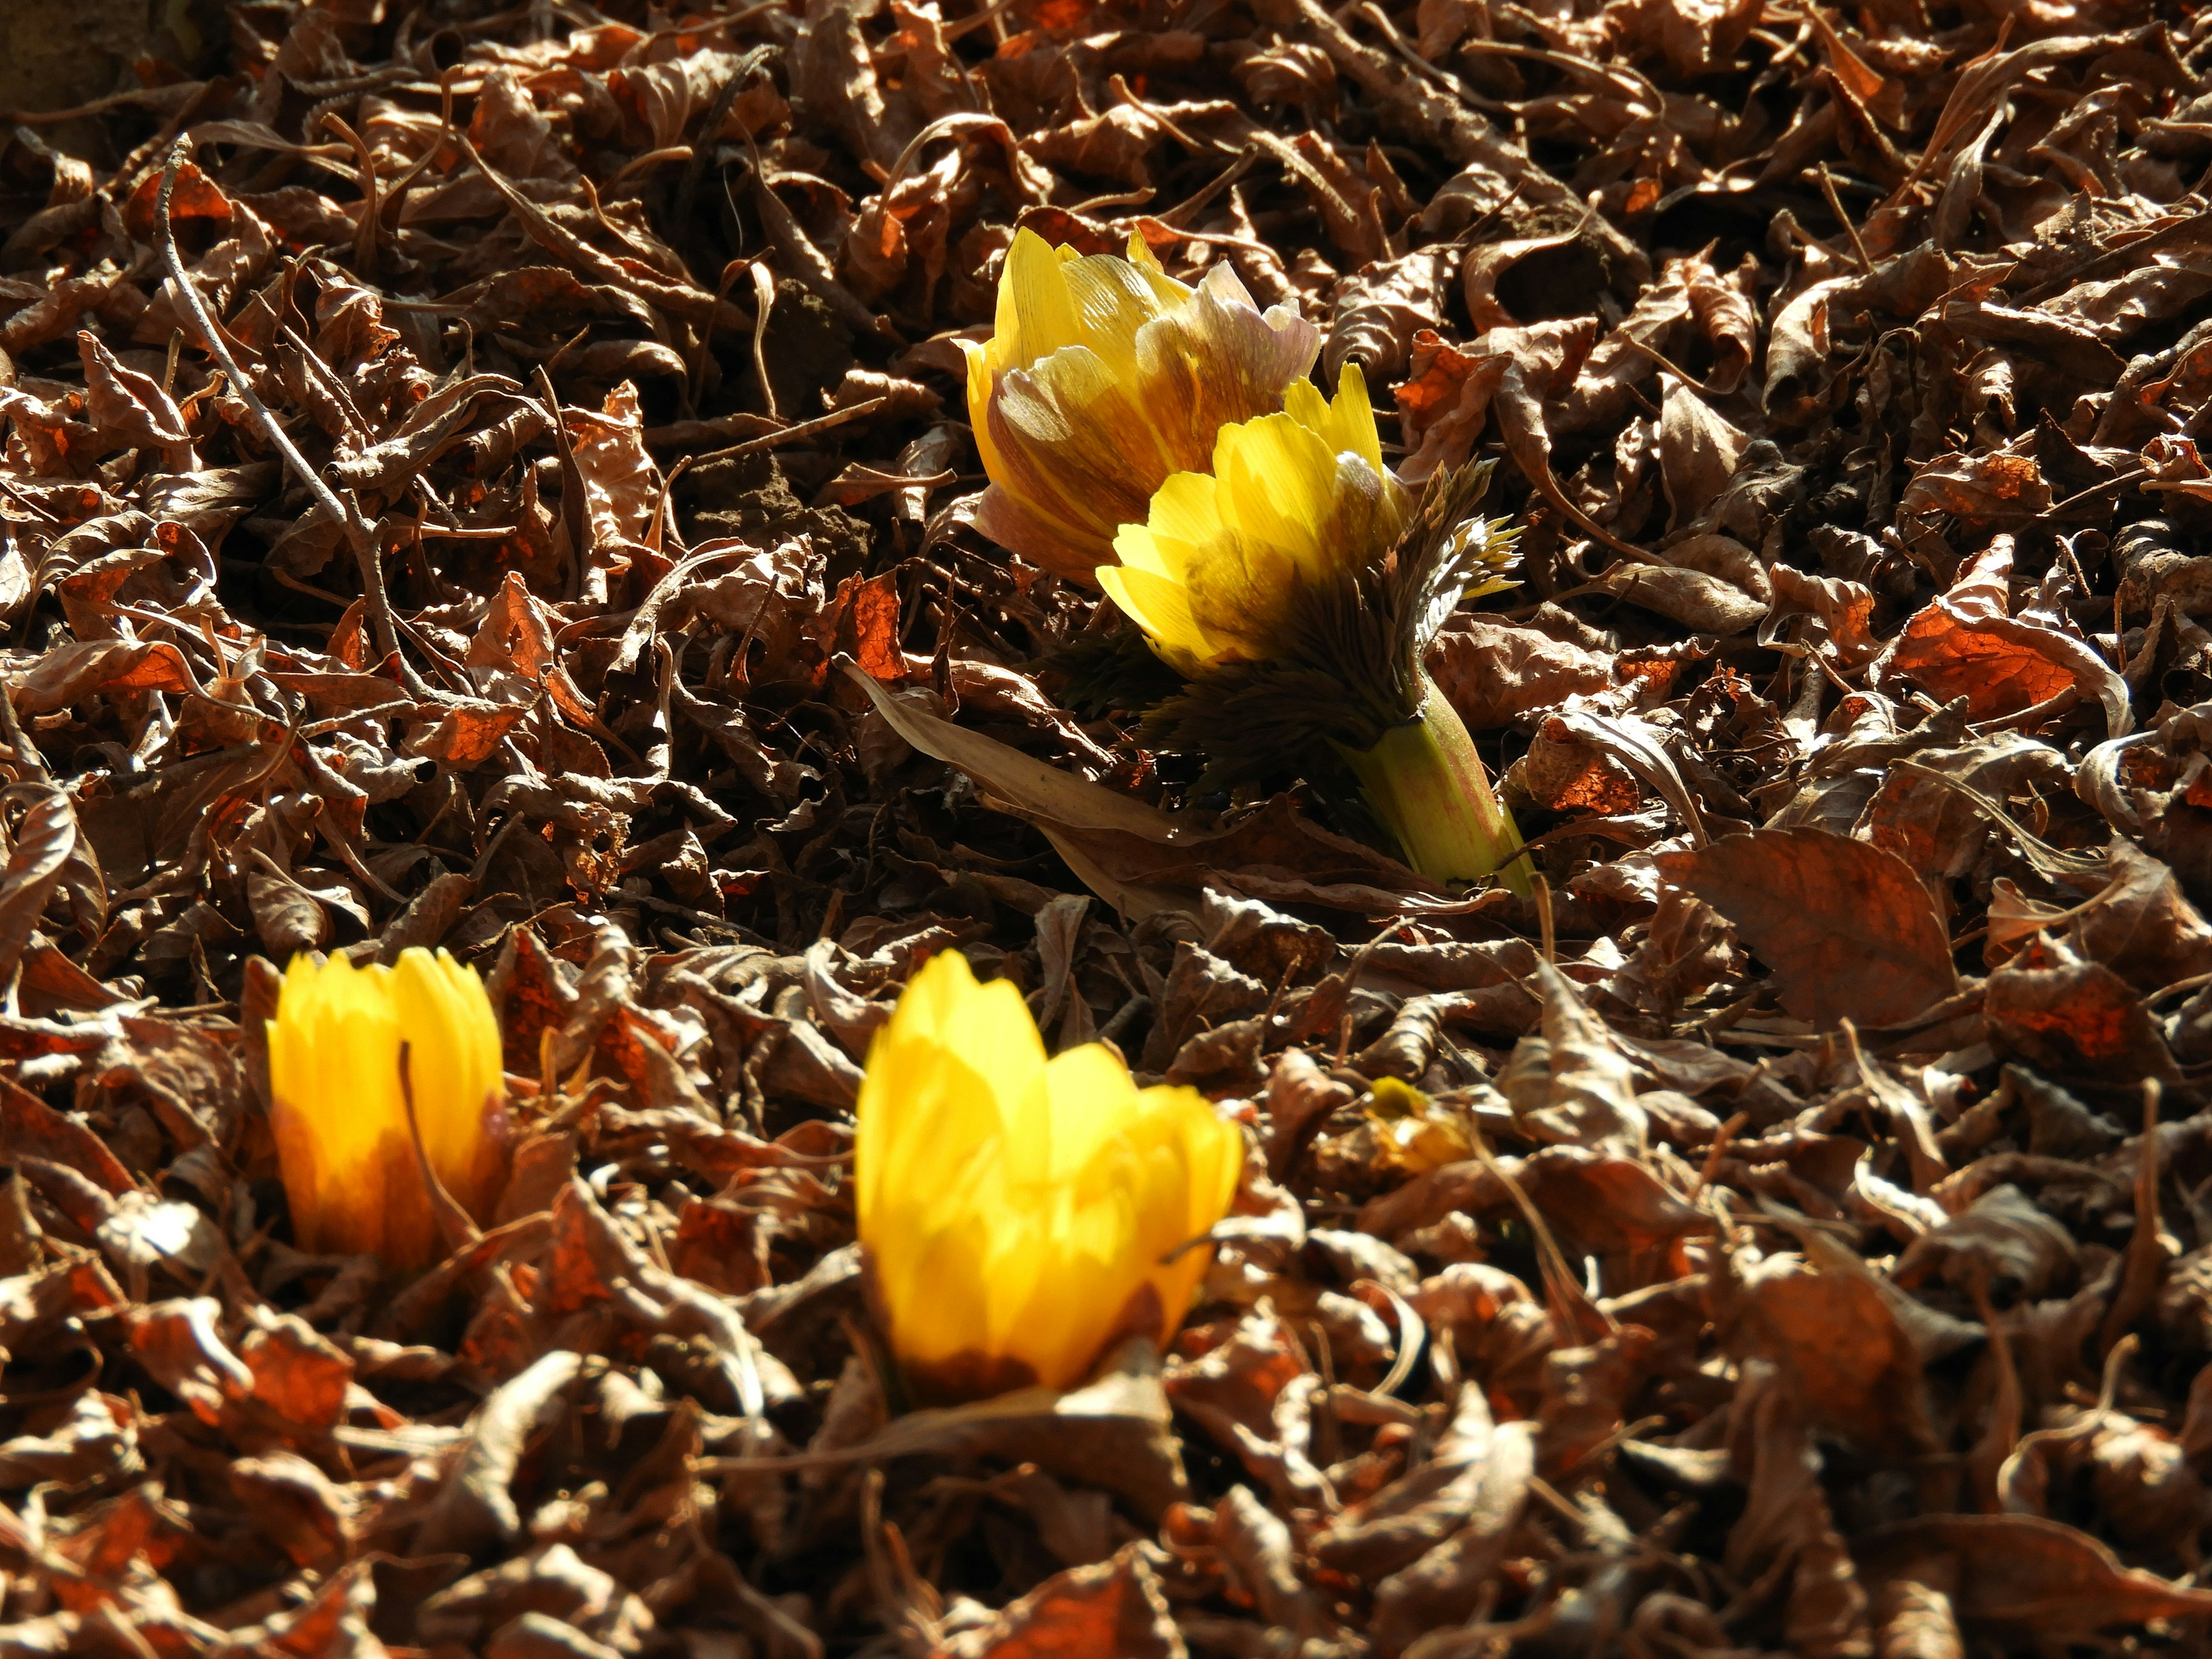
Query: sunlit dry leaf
x=476 y=1506
x=2072 y=1018
x=1115 y=1607
x=1380 y=310
x=1111 y=1432
x=1496 y=671
x=1834 y=1337
x=1846 y=926
x=1711 y=583
x=2002 y=666
x=86 y=667
x=1698 y=451
x=2023 y=1578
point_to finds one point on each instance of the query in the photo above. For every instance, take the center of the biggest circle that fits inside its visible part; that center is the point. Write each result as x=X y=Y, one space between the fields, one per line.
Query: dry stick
x=457 y=1228
x=2140 y=1264
x=344 y=513
x=1836 y=207
x=792 y=433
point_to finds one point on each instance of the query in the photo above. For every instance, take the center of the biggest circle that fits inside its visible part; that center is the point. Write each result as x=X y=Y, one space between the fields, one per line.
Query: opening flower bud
x=1295 y=500
x=349 y=1047
x=1102 y=377
x=1021 y=1215
x=1297 y=588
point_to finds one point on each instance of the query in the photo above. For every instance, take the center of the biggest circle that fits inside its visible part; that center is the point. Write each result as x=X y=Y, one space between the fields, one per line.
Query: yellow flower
x=1020 y=1213
x=1295 y=500
x=1416 y=1133
x=1296 y=589
x=350 y=1166
x=1104 y=377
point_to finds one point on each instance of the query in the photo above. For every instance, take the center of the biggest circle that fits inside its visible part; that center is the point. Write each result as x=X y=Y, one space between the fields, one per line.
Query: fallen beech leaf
x=1711 y=583
x=1444 y=1585
x=31 y=1128
x=178 y=1342
x=1942 y=829
x=1113 y=1431
x=81 y=668
x=1986 y=486
x=1965 y=645
x=297 y=1372
x=1412 y=1515
x=1486 y=264
x=2072 y=1018
x=476 y=1506
x=1495 y=672
x=2023 y=1578
x=1256 y=1543
x=1698 y=451
x=1146 y=862
x=1602 y=1203
x=1246 y=1393
x=1846 y=926
x=1382 y=311
x=1829 y=1329
x=1114 y=1608
x=1589 y=1097
x=2001 y=665
x=1797 y=373
x=2143 y=925
x=1845 y=610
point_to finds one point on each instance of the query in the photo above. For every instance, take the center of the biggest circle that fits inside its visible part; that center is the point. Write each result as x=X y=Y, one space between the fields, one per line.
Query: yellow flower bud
x=1104 y=377
x=1295 y=500
x=1020 y=1214
x=350 y=1166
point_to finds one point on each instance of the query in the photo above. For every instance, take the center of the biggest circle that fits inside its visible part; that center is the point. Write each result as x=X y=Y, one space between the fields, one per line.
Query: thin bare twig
x=341 y=511
x=792 y=433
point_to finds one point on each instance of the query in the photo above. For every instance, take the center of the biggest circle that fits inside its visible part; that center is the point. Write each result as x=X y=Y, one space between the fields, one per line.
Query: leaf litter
x=1784 y=1233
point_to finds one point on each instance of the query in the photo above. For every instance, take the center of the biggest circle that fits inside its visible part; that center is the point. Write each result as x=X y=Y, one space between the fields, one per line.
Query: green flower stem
x=1427 y=785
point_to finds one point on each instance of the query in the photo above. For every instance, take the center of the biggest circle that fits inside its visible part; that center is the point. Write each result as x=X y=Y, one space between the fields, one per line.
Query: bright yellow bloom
x=1295 y=500
x=1296 y=587
x=1104 y=377
x=349 y=1162
x=1021 y=1213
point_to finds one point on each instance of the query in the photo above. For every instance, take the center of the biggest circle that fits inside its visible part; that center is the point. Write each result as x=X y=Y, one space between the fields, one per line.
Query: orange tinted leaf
x=84 y=668
x=2001 y=664
x=1115 y=1607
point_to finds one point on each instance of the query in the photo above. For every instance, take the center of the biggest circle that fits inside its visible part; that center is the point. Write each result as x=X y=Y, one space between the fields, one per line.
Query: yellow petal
x=1304 y=404
x=1112 y=302
x=454 y=1067
x=1278 y=483
x=1104 y=378
x=348 y=1160
x=1347 y=425
x=1087 y=1099
x=1036 y=314
x=1013 y=1207
x=936 y=1075
x=980 y=381
x=1159 y=606
x=1186 y=522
